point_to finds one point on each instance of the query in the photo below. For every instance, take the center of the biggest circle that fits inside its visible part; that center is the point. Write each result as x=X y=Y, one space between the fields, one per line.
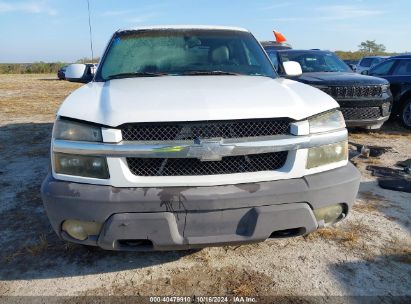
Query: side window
x=274 y=59
x=383 y=68
x=366 y=62
x=403 y=68
x=376 y=61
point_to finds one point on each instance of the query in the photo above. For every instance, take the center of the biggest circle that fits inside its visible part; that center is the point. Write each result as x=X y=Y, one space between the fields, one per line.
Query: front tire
x=405 y=114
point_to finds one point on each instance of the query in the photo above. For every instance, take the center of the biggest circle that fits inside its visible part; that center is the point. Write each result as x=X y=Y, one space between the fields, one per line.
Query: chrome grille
x=361 y=113
x=204 y=129
x=192 y=166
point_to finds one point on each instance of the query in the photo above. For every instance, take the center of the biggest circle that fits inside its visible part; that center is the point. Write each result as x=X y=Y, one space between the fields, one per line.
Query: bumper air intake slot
x=137 y=244
x=287 y=233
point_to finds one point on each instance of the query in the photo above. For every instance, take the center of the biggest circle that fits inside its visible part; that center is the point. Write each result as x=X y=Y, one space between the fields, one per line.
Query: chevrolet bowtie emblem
x=209 y=150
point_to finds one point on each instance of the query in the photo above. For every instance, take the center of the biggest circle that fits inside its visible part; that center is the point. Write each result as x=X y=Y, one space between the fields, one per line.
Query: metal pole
x=91 y=35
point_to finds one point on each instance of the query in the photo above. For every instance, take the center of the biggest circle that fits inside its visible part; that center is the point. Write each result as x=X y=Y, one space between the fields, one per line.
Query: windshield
x=148 y=53
x=316 y=61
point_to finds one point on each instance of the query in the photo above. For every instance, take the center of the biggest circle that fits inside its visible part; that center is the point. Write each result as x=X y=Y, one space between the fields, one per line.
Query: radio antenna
x=91 y=34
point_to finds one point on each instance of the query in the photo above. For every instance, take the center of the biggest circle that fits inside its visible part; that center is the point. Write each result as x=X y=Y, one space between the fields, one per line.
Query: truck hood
x=339 y=79
x=193 y=98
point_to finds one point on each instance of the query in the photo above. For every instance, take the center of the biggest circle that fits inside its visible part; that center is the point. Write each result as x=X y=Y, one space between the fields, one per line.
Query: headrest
x=220 y=55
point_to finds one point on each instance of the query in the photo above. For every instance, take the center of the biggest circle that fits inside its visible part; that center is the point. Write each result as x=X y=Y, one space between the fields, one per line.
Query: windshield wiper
x=134 y=74
x=209 y=73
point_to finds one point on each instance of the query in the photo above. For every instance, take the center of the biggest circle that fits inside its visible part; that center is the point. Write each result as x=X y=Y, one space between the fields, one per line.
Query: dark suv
x=365 y=101
x=397 y=70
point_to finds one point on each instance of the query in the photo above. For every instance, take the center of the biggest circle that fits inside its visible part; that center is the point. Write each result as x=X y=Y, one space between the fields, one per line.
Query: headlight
x=81 y=165
x=323 y=155
x=385 y=88
x=71 y=130
x=332 y=120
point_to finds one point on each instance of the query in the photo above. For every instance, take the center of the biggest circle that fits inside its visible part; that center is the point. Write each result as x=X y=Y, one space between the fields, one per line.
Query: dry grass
x=334 y=234
x=364 y=207
x=348 y=234
x=36 y=249
x=194 y=281
x=40 y=247
x=37 y=94
x=370 y=202
x=398 y=250
x=202 y=256
x=389 y=131
x=245 y=290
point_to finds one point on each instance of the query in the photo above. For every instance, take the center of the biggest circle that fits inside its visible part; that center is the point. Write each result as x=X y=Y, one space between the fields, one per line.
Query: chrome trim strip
x=206 y=150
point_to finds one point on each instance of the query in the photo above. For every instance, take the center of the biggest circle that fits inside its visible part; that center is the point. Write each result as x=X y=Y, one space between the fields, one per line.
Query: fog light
x=329 y=214
x=386 y=108
x=81 y=230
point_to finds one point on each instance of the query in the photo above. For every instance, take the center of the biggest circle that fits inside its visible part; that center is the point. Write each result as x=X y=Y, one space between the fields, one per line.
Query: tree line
x=365 y=48
x=37 y=67
x=30 y=68
x=357 y=55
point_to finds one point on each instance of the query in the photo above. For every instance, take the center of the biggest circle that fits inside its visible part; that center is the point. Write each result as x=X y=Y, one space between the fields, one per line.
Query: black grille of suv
x=205 y=129
x=361 y=113
x=193 y=166
x=347 y=103
x=353 y=91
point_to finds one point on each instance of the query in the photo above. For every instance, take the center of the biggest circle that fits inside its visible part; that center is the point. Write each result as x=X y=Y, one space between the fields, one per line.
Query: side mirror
x=292 y=68
x=353 y=67
x=78 y=72
x=366 y=72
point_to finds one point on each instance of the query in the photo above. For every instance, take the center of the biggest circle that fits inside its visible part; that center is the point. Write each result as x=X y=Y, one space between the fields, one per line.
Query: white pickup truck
x=186 y=137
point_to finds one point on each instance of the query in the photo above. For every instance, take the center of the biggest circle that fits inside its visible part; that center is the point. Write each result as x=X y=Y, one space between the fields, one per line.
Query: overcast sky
x=57 y=30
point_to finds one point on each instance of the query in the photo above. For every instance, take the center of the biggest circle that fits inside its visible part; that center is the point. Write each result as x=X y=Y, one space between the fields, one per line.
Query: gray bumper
x=367 y=123
x=189 y=217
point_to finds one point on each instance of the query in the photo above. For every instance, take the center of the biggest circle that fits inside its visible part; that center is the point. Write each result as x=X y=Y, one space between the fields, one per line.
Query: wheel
x=405 y=114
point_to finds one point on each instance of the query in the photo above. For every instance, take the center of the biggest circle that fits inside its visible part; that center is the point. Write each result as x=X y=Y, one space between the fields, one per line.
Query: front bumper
x=366 y=113
x=190 y=217
x=367 y=123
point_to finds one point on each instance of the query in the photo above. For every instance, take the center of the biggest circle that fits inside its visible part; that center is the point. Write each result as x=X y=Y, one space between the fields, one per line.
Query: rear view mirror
x=78 y=72
x=292 y=68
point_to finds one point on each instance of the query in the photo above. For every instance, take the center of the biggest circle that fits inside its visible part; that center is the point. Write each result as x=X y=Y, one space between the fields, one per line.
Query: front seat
x=220 y=55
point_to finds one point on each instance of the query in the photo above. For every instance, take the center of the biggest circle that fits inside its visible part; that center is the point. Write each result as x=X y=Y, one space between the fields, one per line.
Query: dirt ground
x=369 y=253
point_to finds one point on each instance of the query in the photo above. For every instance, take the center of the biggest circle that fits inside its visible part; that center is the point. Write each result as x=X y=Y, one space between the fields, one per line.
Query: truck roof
x=306 y=51
x=184 y=27
x=274 y=45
